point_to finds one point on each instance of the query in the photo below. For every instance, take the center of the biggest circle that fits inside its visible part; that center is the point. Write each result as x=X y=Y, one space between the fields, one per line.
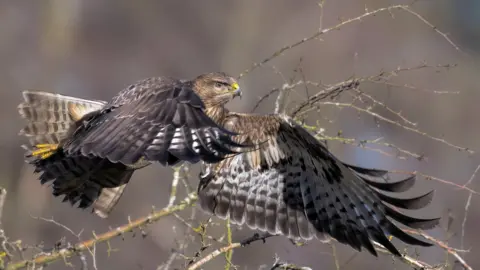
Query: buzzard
x=264 y=171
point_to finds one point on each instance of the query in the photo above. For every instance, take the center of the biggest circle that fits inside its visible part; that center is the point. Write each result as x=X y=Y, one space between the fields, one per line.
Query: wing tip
x=413 y=203
x=407 y=238
x=398 y=186
x=412 y=222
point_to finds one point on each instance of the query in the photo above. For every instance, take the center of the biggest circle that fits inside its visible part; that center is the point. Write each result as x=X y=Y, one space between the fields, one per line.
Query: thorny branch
x=415 y=263
x=119 y=231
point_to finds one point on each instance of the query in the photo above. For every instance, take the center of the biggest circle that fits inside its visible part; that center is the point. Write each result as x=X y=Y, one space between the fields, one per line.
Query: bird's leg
x=256 y=237
x=297 y=243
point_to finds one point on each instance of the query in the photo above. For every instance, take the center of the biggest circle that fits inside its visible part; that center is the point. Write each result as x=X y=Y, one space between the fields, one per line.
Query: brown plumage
x=288 y=183
x=89 y=149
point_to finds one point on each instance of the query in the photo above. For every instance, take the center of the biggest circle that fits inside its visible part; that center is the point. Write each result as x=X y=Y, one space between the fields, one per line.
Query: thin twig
x=414 y=263
x=414 y=130
x=229 y=247
x=330 y=91
x=335 y=256
x=119 y=231
x=323 y=31
x=228 y=254
x=452 y=251
x=177 y=174
x=281 y=99
x=377 y=141
x=3 y=197
x=444 y=35
x=467 y=205
x=214 y=254
x=464 y=222
x=472 y=177
x=51 y=220
x=280 y=265
x=381 y=104
x=430 y=177
x=412 y=87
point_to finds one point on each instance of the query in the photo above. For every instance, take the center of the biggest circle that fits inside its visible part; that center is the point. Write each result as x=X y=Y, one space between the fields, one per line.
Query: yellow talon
x=44 y=150
x=46 y=155
x=46 y=145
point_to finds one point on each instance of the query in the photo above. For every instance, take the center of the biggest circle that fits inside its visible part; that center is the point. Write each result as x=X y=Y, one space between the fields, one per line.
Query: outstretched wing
x=292 y=185
x=158 y=119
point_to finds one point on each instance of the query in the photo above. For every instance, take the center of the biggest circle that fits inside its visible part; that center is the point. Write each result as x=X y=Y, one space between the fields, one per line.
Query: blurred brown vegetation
x=92 y=49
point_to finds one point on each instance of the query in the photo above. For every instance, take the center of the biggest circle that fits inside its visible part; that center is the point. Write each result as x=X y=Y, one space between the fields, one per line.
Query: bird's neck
x=217 y=113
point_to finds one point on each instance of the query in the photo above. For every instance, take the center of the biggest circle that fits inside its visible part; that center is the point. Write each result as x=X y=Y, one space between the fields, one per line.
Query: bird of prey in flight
x=264 y=171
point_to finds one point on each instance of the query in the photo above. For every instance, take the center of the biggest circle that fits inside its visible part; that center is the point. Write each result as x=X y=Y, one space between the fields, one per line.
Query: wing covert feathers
x=292 y=185
x=164 y=123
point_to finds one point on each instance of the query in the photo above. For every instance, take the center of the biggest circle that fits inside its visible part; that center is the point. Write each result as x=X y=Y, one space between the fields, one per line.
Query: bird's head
x=216 y=89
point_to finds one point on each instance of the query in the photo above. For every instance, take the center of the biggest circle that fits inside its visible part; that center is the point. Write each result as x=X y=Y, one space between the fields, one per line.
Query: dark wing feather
x=292 y=185
x=159 y=119
x=83 y=180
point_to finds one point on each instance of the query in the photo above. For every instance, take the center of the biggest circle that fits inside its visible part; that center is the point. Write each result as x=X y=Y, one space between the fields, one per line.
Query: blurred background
x=93 y=49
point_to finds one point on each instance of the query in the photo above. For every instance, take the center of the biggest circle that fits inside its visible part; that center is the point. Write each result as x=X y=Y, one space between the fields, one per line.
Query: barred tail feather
x=49 y=116
x=109 y=197
x=83 y=180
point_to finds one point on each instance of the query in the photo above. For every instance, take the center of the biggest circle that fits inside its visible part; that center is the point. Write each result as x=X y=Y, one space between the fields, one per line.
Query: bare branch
x=330 y=92
x=119 y=231
x=228 y=254
x=453 y=251
x=280 y=265
x=430 y=177
x=214 y=254
x=3 y=197
x=322 y=31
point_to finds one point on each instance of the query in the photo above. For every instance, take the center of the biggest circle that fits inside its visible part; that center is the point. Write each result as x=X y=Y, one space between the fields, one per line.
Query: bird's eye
x=218 y=85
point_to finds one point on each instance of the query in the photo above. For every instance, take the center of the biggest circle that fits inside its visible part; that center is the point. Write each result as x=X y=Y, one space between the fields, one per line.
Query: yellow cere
x=235 y=86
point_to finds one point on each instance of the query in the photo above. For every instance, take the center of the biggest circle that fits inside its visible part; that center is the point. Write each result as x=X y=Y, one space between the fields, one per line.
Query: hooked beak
x=237 y=92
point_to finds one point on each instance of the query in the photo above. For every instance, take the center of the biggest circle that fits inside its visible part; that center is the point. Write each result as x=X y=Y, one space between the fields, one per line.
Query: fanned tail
x=50 y=116
x=88 y=181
